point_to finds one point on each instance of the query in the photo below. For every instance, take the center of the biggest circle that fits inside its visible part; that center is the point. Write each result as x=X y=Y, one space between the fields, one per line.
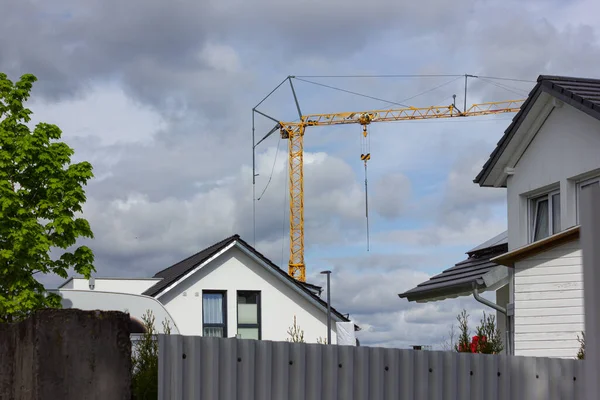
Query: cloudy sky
x=158 y=96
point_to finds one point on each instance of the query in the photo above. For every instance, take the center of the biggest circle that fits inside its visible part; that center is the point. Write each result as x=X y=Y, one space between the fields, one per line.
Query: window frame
x=258 y=325
x=579 y=187
x=224 y=311
x=532 y=214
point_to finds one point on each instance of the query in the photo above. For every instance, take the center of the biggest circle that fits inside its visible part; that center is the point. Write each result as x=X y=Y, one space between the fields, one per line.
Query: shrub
x=581 y=352
x=486 y=340
x=144 y=360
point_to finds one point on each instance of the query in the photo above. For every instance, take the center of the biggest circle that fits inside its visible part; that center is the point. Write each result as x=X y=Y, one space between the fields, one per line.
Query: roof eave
x=492 y=175
x=296 y=285
x=510 y=258
x=491 y=280
x=448 y=292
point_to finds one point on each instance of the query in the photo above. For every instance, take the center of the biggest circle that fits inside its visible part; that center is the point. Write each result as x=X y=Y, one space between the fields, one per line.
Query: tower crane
x=294 y=133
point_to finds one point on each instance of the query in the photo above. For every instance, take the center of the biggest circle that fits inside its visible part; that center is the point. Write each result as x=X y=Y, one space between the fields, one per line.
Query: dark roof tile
x=176 y=271
x=581 y=93
x=461 y=276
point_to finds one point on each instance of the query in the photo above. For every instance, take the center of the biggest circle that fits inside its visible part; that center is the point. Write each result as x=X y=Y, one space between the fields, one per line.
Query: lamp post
x=328 y=273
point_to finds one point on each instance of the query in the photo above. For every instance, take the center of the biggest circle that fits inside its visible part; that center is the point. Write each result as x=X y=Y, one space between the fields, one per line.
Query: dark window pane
x=541 y=227
x=247 y=297
x=556 y=213
x=590 y=185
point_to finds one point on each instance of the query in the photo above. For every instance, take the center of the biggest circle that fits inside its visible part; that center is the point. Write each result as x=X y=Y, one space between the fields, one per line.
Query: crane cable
x=366 y=156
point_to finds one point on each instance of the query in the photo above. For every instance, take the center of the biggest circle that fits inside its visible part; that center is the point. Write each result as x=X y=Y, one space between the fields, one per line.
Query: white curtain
x=212 y=304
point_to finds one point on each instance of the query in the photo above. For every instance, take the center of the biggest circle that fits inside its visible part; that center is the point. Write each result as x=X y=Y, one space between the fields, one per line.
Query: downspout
x=497 y=308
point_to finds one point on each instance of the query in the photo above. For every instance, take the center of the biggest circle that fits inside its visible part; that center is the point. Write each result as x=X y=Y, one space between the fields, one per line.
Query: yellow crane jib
x=294 y=132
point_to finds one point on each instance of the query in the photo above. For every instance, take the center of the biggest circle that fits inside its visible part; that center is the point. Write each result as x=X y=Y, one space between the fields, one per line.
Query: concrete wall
x=67 y=355
x=549 y=303
x=565 y=149
x=235 y=271
x=119 y=285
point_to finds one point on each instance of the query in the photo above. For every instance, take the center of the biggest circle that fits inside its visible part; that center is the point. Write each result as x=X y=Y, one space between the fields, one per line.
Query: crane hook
x=366 y=155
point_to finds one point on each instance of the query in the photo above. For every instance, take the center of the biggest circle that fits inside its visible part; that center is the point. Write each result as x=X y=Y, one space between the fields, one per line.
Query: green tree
x=487 y=329
x=144 y=360
x=41 y=194
x=463 y=338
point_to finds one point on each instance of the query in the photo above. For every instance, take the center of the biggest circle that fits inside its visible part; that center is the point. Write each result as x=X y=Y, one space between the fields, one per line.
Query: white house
x=546 y=157
x=229 y=289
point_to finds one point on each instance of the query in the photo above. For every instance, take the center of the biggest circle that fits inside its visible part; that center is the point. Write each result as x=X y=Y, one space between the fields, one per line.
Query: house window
x=582 y=186
x=214 y=313
x=545 y=216
x=248 y=309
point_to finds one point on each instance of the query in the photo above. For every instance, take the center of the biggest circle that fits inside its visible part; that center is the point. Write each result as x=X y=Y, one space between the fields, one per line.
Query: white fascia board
x=448 y=296
x=286 y=281
x=196 y=269
x=530 y=133
x=494 y=279
x=528 y=130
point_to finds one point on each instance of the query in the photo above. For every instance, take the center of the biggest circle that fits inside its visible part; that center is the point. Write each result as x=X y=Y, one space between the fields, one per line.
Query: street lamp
x=328 y=273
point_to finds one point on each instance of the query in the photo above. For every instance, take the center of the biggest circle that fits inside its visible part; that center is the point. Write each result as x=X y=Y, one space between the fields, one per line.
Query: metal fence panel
x=205 y=368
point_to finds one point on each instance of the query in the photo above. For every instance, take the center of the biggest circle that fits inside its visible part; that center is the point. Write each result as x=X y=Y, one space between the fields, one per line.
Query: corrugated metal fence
x=204 y=368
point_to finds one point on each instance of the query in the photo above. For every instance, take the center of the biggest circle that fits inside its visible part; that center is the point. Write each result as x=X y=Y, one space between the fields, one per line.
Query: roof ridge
x=218 y=244
x=566 y=78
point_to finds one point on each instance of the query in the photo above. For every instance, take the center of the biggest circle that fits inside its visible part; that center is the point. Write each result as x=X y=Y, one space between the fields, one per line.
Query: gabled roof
x=581 y=93
x=177 y=271
x=458 y=280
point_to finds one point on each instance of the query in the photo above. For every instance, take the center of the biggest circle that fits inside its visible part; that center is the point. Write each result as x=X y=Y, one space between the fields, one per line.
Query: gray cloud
x=392 y=193
x=526 y=45
x=178 y=187
x=463 y=199
x=158 y=50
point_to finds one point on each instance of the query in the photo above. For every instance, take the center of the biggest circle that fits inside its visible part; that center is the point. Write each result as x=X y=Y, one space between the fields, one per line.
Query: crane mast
x=294 y=133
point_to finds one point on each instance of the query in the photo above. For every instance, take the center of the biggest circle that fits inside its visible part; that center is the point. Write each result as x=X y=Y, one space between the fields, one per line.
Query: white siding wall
x=133 y=286
x=235 y=271
x=549 y=303
x=567 y=145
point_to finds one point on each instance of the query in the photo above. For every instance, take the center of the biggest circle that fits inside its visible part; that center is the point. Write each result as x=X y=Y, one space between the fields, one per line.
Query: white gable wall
x=549 y=303
x=235 y=271
x=566 y=146
x=546 y=289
